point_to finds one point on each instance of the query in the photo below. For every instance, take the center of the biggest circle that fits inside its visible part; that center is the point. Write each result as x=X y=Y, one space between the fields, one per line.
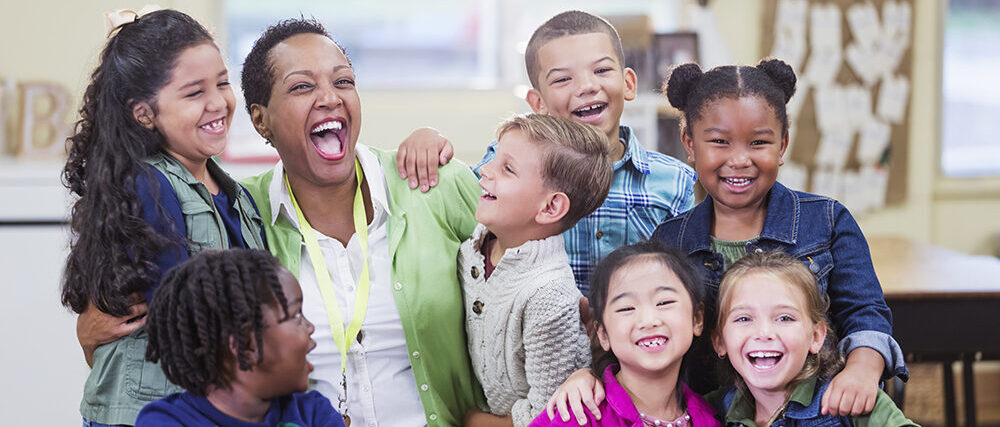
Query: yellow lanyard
x=342 y=338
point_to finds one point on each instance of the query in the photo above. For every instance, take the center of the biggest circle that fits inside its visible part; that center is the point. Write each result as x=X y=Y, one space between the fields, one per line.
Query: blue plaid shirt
x=647 y=188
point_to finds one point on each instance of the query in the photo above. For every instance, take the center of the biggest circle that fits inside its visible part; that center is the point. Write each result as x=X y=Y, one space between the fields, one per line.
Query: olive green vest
x=121 y=381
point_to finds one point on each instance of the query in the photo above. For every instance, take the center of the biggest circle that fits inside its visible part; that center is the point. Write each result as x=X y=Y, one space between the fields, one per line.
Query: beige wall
x=61 y=40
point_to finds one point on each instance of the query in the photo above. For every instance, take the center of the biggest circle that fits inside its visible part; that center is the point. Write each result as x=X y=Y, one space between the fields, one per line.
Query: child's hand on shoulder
x=853 y=391
x=580 y=389
x=419 y=156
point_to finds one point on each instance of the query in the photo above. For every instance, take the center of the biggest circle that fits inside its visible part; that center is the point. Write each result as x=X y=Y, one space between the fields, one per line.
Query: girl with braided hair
x=149 y=195
x=227 y=325
x=735 y=130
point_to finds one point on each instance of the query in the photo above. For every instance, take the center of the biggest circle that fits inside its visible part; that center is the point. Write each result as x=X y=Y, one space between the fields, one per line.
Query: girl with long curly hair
x=157 y=108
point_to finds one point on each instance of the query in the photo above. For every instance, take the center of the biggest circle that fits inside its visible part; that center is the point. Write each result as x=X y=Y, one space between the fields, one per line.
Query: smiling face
x=767 y=333
x=313 y=117
x=581 y=78
x=513 y=186
x=736 y=147
x=286 y=341
x=649 y=321
x=195 y=108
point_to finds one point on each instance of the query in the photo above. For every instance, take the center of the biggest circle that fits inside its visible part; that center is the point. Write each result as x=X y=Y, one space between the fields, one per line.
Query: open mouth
x=214 y=127
x=328 y=138
x=764 y=359
x=488 y=196
x=653 y=343
x=590 y=111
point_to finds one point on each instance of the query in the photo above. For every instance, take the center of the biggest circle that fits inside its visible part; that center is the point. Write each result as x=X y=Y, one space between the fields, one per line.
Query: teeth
x=214 y=125
x=592 y=107
x=654 y=342
x=325 y=126
x=764 y=354
x=738 y=181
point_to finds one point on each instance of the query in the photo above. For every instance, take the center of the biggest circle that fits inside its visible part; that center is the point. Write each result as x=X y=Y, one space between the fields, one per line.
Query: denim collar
x=635 y=153
x=780 y=224
x=804 y=403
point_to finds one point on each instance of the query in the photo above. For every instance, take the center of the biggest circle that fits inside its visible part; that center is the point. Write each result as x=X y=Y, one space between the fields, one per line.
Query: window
x=971 y=89
x=392 y=43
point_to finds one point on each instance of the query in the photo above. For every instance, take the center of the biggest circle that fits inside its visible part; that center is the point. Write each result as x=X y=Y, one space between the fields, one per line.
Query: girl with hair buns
x=734 y=128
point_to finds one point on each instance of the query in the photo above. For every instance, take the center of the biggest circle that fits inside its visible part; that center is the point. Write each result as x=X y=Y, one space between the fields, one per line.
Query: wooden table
x=945 y=307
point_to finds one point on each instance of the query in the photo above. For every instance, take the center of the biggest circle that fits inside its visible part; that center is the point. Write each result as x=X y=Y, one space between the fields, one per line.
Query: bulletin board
x=850 y=114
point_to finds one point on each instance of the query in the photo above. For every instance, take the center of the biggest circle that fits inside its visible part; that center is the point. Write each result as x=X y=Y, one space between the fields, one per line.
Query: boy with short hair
x=576 y=67
x=521 y=302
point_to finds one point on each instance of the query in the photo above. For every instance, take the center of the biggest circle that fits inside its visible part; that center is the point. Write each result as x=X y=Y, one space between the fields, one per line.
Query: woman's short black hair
x=207 y=304
x=258 y=72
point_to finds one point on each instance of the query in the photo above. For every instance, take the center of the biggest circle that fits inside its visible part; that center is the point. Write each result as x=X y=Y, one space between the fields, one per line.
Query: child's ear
x=602 y=337
x=699 y=322
x=689 y=144
x=554 y=210
x=535 y=101
x=781 y=151
x=143 y=113
x=718 y=344
x=258 y=116
x=819 y=337
x=631 y=83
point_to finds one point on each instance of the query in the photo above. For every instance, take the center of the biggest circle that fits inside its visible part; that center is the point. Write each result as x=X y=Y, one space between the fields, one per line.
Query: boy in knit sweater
x=521 y=301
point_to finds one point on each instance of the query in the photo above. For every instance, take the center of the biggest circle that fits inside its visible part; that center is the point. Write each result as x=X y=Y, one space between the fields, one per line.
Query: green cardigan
x=425 y=231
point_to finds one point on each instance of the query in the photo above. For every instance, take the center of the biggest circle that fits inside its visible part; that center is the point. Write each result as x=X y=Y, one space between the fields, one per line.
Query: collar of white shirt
x=281 y=201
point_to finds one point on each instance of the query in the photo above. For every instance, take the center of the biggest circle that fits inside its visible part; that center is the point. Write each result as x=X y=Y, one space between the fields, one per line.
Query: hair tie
x=113 y=21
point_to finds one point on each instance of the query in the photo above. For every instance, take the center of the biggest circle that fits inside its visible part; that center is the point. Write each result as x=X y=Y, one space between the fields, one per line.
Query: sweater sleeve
x=555 y=345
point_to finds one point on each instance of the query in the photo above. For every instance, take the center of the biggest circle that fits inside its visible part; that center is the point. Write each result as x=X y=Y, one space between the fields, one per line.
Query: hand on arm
x=580 y=389
x=419 y=156
x=95 y=327
x=853 y=391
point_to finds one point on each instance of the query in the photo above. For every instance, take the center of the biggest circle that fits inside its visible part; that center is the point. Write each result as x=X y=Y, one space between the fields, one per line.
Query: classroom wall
x=955 y=213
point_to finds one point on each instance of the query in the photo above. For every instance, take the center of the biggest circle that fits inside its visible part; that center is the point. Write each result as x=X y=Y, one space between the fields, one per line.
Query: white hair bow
x=114 y=20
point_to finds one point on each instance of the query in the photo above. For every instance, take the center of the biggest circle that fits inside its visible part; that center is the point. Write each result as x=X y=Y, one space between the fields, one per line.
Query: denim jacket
x=821 y=233
x=803 y=409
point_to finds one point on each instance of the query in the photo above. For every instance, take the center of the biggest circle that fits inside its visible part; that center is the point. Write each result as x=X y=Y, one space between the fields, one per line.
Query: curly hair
x=689 y=89
x=110 y=254
x=204 y=304
x=258 y=71
x=825 y=364
x=623 y=257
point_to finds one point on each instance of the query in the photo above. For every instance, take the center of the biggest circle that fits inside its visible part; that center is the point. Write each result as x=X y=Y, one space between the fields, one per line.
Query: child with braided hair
x=227 y=325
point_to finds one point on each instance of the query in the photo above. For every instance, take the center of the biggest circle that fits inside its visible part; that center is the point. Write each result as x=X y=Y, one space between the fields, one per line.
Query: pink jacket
x=617 y=409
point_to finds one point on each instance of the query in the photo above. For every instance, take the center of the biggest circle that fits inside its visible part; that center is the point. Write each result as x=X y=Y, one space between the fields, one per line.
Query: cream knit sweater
x=526 y=338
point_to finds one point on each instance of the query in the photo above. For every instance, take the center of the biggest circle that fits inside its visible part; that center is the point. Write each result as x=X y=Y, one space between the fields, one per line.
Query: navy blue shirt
x=299 y=409
x=168 y=220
